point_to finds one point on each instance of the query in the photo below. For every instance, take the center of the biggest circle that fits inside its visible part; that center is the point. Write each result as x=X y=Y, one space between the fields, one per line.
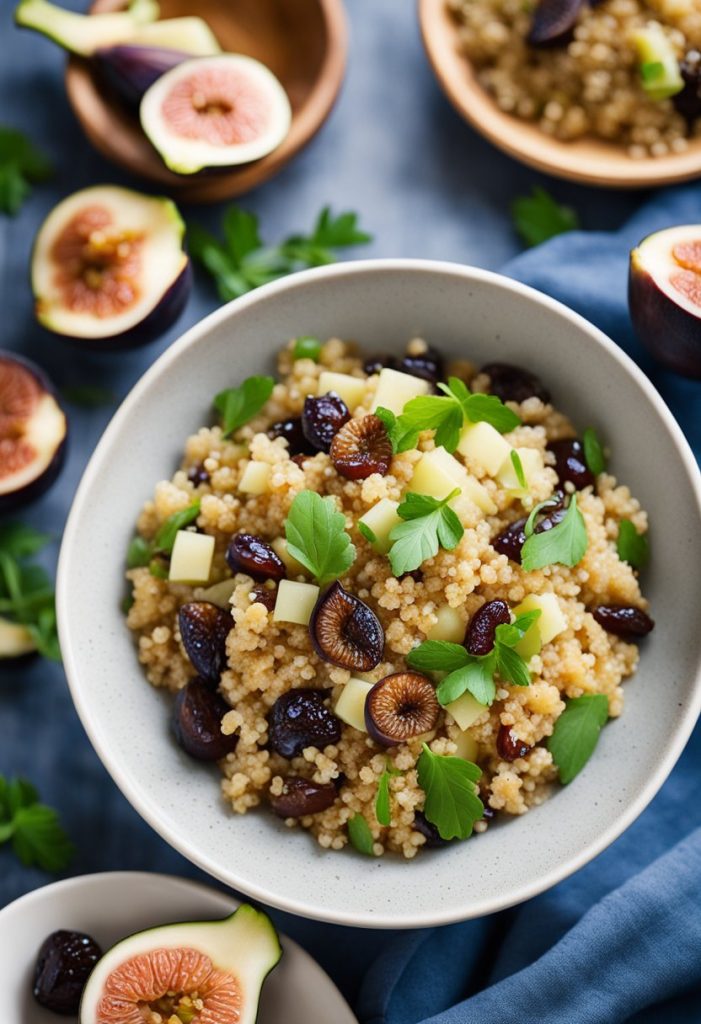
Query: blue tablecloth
x=623 y=933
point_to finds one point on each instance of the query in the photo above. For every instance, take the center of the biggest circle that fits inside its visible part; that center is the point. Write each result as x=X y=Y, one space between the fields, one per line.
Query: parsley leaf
x=20 y=163
x=566 y=543
x=26 y=593
x=382 y=800
x=89 y=397
x=242 y=262
x=239 y=405
x=403 y=437
x=145 y=552
x=518 y=469
x=316 y=536
x=33 y=828
x=477 y=677
x=539 y=217
x=445 y=414
x=360 y=835
x=452 y=801
x=429 y=524
x=307 y=348
x=593 y=451
x=576 y=733
x=632 y=547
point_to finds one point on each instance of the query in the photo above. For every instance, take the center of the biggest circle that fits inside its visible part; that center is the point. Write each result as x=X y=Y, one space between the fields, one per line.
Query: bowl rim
x=589 y=160
x=70 y=545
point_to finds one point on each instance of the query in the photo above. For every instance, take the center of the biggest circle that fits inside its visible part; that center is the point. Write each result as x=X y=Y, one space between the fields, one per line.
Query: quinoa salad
x=393 y=596
x=626 y=71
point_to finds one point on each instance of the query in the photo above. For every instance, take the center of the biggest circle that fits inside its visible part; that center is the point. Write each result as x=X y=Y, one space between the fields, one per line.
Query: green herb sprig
x=518 y=469
x=307 y=347
x=539 y=217
x=316 y=536
x=360 y=835
x=143 y=552
x=594 y=455
x=383 y=811
x=26 y=592
x=429 y=523
x=33 y=828
x=576 y=733
x=475 y=673
x=632 y=547
x=237 y=406
x=20 y=163
x=565 y=543
x=242 y=261
x=452 y=801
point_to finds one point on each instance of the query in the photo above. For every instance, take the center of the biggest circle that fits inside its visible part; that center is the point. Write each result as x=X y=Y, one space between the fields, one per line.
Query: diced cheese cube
x=295 y=602
x=438 y=473
x=381 y=520
x=350 y=389
x=395 y=389
x=295 y=568
x=465 y=710
x=485 y=446
x=548 y=625
x=450 y=625
x=350 y=706
x=218 y=594
x=532 y=462
x=467 y=747
x=255 y=478
x=191 y=559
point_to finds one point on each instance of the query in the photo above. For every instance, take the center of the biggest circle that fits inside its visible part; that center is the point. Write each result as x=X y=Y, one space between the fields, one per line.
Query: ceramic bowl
x=382 y=303
x=111 y=906
x=588 y=160
x=303 y=43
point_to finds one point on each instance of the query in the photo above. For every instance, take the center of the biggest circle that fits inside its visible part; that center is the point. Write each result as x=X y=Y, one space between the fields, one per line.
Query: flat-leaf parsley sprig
x=576 y=733
x=566 y=543
x=472 y=672
x=20 y=163
x=242 y=261
x=26 y=592
x=632 y=547
x=452 y=801
x=446 y=415
x=429 y=523
x=316 y=536
x=237 y=406
x=33 y=829
x=383 y=810
x=143 y=552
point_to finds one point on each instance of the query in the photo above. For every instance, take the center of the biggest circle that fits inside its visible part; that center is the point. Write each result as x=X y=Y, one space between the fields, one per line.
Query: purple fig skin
x=130 y=70
x=671 y=334
x=164 y=315
x=35 y=488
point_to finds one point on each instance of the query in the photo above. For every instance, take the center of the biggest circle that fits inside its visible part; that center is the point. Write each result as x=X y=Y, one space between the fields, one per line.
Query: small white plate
x=113 y=905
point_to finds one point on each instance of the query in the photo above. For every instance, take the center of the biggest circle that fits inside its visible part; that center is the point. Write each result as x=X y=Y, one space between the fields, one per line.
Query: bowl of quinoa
x=605 y=92
x=383 y=634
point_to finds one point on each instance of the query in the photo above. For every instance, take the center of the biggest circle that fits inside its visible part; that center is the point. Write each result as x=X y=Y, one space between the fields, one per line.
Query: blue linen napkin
x=620 y=940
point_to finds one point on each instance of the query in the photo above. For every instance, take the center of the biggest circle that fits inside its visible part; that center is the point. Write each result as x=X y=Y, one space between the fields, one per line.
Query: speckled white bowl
x=115 y=904
x=382 y=304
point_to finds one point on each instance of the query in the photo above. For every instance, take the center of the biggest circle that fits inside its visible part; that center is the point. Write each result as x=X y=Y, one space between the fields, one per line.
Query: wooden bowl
x=590 y=161
x=303 y=42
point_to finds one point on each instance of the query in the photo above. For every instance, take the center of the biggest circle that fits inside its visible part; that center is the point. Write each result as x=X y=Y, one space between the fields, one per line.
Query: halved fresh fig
x=109 y=269
x=129 y=70
x=84 y=33
x=664 y=295
x=215 y=112
x=204 y=972
x=33 y=430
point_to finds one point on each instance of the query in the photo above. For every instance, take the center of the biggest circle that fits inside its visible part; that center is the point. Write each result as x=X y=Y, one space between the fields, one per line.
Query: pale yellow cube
x=395 y=389
x=465 y=710
x=350 y=389
x=438 y=473
x=467 y=747
x=191 y=559
x=450 y=625
x=485 y=446
x=549 y=624
x=350 y=706
x=532 y=462
x=218 y=594
x=381 y=520
x=295 y=602
x=294 y=568
x=255 y=478
x=15 y=640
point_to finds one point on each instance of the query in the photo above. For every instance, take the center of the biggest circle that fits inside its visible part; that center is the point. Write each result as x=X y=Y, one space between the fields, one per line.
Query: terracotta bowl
x=588 y=160
x=303 y=42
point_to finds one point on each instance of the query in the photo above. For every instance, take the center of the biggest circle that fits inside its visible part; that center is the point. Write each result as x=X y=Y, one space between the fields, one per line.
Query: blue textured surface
x=624 y=932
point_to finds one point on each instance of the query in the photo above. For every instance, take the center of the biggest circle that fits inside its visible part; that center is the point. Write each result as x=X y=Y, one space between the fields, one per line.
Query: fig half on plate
x=33 y=430
x=109 y=269
x=664 y=294
x=215 y=112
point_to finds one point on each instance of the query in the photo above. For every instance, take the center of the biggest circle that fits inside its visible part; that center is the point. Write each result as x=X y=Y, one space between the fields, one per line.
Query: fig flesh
x=33 y=430
x=200 y=971
x=664 y=295
x=81 y=33
x=215 y=112
x=109 y=269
